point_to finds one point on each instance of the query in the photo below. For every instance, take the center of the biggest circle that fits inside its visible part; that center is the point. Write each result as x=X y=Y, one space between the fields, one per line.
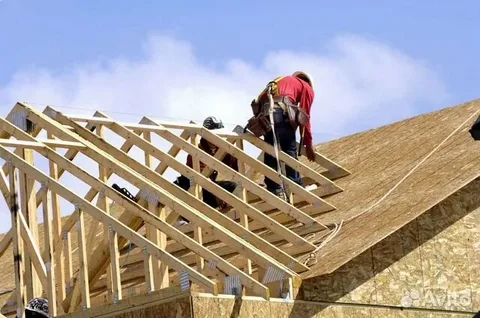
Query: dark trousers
x=208 y=197
x=287 y=141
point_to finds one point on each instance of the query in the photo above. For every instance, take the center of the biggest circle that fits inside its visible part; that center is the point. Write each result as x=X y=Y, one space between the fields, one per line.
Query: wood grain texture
x=381 y=164
x=378 y=159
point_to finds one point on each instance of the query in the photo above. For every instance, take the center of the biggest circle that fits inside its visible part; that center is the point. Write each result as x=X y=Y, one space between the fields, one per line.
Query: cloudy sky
x=181 y=60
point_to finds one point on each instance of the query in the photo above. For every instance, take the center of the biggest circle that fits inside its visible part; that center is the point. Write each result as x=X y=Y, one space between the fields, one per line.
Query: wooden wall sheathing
x=434 y=260
x=213 y=307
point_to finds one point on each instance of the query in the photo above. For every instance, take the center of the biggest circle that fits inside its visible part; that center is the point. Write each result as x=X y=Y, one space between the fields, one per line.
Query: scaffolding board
x=252 y=246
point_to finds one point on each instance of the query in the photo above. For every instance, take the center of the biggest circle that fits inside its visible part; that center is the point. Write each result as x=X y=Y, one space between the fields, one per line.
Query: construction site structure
x=333 y=250
x=170 y=256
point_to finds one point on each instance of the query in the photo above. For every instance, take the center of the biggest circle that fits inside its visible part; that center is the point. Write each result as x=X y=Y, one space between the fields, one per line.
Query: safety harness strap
x=280 y=169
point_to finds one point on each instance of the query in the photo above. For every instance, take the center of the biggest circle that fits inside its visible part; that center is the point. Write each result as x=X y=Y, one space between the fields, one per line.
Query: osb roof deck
x=381 y=158
x=204 y=252
x=377 y=160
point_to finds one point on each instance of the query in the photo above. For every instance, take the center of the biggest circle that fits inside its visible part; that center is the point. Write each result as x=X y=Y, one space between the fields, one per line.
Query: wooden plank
x=138 y=127
x=18 y=255
x=123 y=230
x=245 y=182
x=197 y=192
x=217 y=217
x=35 y=145
x=150 y=217
x=174 y=150
x=268 y=172
x=180 y=194
x=33 y=251
x=57 y=230
x=49 y=260
x=327 y=187
x=32 y=220
x=143 y=177
x=83 y=262
x=151 y=266
x=220 y=192
x=243 y=216
x=153 y=234
x=115 y=264
x=26 y=192
x=67 y=253
x=335 y=171
x=109 y=236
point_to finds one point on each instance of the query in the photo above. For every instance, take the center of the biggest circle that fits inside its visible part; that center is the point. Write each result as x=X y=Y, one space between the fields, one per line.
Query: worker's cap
x=38 y=306
x=304 y=76
x=212 y=122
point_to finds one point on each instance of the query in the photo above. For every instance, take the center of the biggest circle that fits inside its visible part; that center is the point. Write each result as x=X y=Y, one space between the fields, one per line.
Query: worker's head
x=37 y=307
x=303 y=76
x=212 y=122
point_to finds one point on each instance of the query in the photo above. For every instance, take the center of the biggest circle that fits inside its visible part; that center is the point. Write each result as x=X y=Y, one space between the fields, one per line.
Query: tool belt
x=260 y=125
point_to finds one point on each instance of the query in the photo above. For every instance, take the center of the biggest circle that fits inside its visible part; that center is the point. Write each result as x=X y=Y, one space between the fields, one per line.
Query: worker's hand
x=310 y=153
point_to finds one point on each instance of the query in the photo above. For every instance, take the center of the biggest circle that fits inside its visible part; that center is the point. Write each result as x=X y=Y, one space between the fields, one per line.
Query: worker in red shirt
x=294 y=89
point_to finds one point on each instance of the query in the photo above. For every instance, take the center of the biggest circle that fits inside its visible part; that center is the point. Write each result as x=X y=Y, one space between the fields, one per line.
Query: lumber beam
x=134 y=176
x=241 y=243
x=218 y=191
x=143 y=177
x=29 y=211
x=35 y=145
x=49 y=259
x=138 y=127
x=240 y=179
x=82 y=256
x=268 y=172
x=18 y=255
x=33 y=251
x=123 y=230
x=327 y=186
x=161 y=270
x=57 y=232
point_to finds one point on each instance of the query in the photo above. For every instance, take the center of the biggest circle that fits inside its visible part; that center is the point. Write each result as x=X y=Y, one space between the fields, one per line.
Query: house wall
x=432 y=262
x=215 y=307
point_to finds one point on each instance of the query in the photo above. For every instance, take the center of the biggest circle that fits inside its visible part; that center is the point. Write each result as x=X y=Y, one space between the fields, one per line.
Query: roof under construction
x=360 y=190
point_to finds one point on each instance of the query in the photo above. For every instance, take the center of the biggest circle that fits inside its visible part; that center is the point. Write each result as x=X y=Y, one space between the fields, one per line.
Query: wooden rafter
x=256 y=227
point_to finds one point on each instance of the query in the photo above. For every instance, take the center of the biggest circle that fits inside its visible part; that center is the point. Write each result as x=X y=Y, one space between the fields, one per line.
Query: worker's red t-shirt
x=299 y=92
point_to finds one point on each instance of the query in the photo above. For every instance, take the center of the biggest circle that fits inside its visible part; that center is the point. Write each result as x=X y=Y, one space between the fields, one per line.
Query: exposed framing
x=201 y=252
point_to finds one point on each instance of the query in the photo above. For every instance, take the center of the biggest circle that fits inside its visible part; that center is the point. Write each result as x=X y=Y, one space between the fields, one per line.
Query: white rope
x=312 y=259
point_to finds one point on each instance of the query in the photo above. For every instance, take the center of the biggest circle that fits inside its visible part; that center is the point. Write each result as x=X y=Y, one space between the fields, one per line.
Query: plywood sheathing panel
x=472 y=223
x=208 y=307
x=445 y=172
x=384 y=159
x=433 y=257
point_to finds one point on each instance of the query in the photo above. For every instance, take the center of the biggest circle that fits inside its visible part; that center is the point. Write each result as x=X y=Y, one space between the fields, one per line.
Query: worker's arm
x=306 y=103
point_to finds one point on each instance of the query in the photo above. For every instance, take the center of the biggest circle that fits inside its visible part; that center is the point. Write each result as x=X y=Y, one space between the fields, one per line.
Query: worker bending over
x=293 y=97
x=210 y=123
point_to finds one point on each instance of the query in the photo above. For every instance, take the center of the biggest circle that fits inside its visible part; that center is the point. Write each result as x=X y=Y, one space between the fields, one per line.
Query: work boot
x=182 y=221
x=125 y=192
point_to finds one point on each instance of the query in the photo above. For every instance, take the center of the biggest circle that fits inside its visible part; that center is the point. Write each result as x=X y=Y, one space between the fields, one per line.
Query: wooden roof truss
x=253 y=245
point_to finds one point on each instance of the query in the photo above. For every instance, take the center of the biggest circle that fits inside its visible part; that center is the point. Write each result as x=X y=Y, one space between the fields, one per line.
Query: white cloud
x=359 y=84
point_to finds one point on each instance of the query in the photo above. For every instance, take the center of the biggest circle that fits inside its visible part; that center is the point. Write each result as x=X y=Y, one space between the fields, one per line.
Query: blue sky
x=61 y=33
x=182 y=60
